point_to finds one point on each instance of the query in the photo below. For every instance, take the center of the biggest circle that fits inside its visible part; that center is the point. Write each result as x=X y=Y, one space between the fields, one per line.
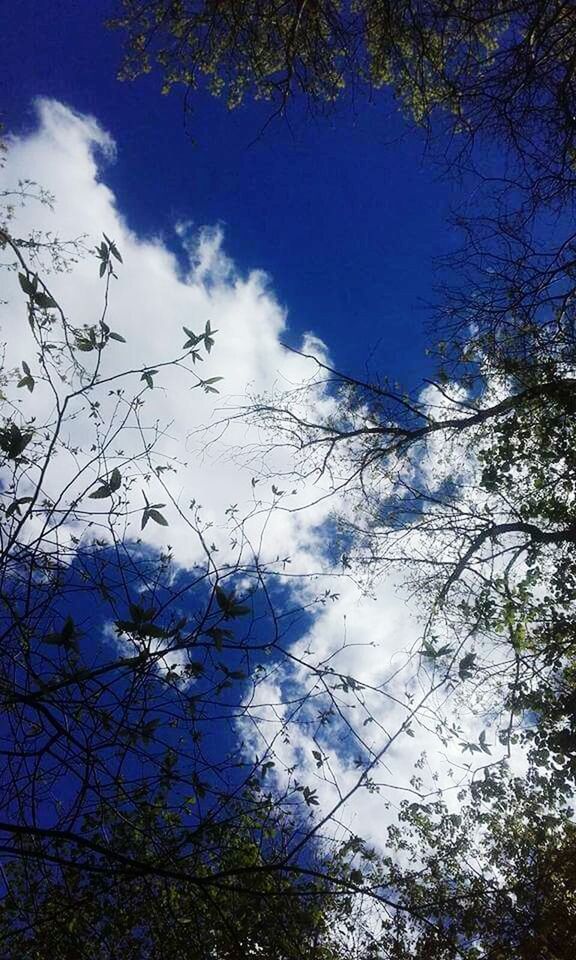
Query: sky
x=320 y=234
x=343 y=211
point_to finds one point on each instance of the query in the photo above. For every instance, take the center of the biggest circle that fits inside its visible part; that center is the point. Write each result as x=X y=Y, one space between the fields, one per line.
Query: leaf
x=29 y=287
x=101 y=493
x=108 y=486
x=116 y=336
x=218 y=635
x=229 y=605
x=151 y=513
x=157 y=518
x=444 y=651
x=27 y=382
x=140 y=614
x=83 y=344
x=103 y=266
x=310 y=797
x=44 y=301
x=147 y=377
x=115 y=480
x=466 y=666
x=208 y=337
x=13 y=442
x=14 y=507
x=192 y=341
x=67 y=637
x=318 y=757
x=483 y=745
x=207 y=384
x=113 y=248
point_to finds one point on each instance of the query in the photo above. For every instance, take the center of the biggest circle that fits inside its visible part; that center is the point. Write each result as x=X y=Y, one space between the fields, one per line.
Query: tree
x=132 y=812
x=467 y=487
x=497 y=876
x=117 y=664
x=193 y=908
x=490 y=68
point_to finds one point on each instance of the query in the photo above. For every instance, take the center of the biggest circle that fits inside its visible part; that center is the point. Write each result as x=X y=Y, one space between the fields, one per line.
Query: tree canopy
x=127 y=827
x=489 y=67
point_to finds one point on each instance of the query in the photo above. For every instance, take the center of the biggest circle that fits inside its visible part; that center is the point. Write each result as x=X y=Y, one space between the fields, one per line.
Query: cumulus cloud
x=153 y=298
x=150 y=303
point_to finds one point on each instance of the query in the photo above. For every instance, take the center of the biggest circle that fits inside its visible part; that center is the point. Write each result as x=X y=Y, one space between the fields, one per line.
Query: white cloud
x=150 y=303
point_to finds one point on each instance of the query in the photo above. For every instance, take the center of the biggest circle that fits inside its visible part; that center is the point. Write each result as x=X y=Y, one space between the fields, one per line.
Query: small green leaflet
x=147 y=377
x=44 y=300
x=14 y=507
x=86 y=341
x=430 y=651
x=27 y=380
x=193 y=339
x=208 y=337
x=207 y=384
x=28 y=286
x=113 y=248
x=229 y=604
x=103 y=252
x=466 y=666
x=108 y=487
x=67 y=637
x=151 y=512
x=39 y=297
x=480 y=747
x=13 y=441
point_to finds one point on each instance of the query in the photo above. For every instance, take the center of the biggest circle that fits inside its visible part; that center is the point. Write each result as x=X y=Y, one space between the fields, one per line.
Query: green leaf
x=466 y=666
x=218 y=635
x=44 y=301
x=208 y=337
x=81 y=343
x=147 y=377
x=13 y=441
x=27 y=382
x=151 y=513
x=116 y=336
x=115 y=480
x=113 y=248
x=229 y=605
x=14 y=507
x=29 y=287
x=67 y=637
x=108 y=486
x=101 y=493
x=483 y=745
x=140 y=613
x=310 y=797
x=192 y=341
x=157 y=518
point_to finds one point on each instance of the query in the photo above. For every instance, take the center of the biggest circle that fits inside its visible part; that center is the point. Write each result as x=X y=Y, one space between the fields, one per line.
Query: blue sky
x=344 y=211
